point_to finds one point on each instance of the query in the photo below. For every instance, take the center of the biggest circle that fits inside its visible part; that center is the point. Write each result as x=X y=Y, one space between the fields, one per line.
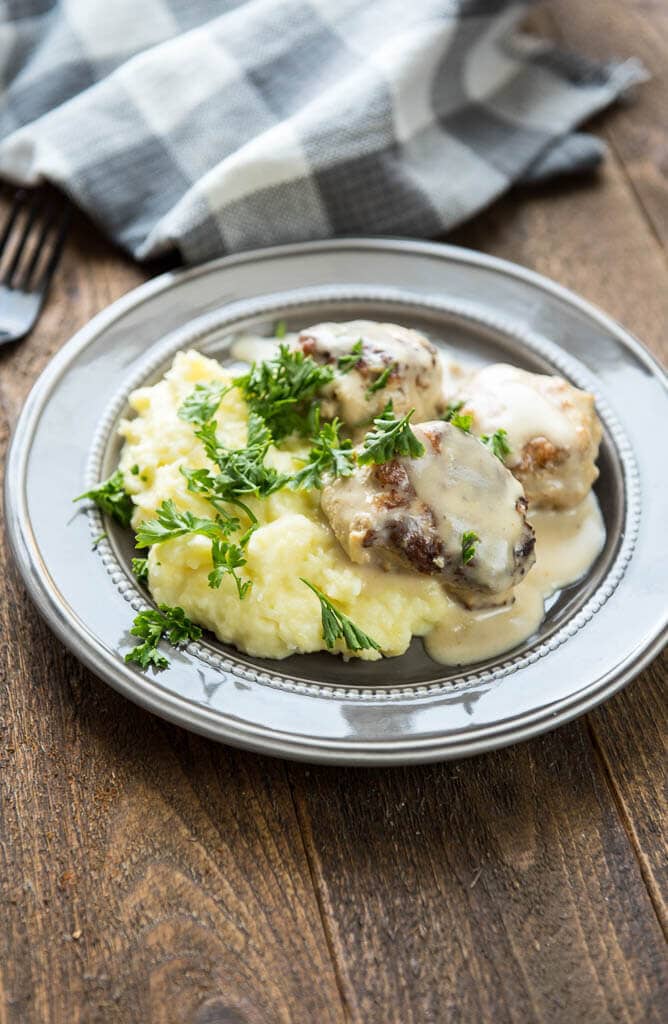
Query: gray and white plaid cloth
x=212 y=127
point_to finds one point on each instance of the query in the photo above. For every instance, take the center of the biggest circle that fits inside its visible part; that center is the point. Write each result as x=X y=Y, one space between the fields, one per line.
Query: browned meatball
x=413 y=514
x=552 y=430
x=413 y=382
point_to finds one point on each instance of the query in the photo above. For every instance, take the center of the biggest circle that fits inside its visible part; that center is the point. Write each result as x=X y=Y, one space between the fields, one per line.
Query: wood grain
x=500 y=889
x=637 y=130
x=151 y=876
x=146 y=875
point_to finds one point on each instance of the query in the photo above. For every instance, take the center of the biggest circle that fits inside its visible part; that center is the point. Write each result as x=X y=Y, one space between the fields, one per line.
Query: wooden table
x=153 y=876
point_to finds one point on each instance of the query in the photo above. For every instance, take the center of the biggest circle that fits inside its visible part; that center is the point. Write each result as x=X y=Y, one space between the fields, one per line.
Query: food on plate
x=552 y=432
x=375 y=364
x=342 y=495
x=413 y=513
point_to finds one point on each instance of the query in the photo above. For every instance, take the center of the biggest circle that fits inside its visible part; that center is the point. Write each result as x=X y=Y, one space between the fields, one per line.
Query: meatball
x=403 y=365
x=552 y=431
x=413 y=514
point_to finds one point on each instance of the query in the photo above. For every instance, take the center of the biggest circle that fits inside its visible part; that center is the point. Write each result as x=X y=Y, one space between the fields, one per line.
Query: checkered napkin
x=212 y=127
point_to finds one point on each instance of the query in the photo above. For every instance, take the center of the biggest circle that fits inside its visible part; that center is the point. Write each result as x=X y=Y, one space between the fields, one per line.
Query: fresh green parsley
x=151 y=626
x=242 y=470
x=348 y=362
x=202 y=404
x=102 y=536
x=280 y=330
x=391 y=438
x=140 y=569
x=227 y=558
x=497 y=443
x=171 y=522
x=469 y=541
x=381 y=381
x=451 y=409
x=463 y=421
x=111 y=497
x=279 y=390
x=134 y=470
x=336 y=625
x=329 y=455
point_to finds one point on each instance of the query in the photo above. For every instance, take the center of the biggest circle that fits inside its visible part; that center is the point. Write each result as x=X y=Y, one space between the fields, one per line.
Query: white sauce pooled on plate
x=567 y=544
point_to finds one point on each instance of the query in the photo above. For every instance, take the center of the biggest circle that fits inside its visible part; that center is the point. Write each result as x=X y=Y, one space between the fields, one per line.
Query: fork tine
x=50 y=220
x=56 y=251
x=33 y=210
x=17 y=204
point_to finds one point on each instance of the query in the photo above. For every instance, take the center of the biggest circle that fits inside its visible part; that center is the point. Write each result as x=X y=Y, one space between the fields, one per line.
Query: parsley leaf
x=329 y=454
x=497 y=443
x=381 y=381
x=226 y=558
x=336 y=625
x=111 y=497
x=242 y=470
x=469 y=540
x=392 y=437
x=140 y=569
x=463 y=421
x=278 y=390
x=171 y=522
x=451 y=409
x=151 y=626
x=348 y=362
x=202 y=403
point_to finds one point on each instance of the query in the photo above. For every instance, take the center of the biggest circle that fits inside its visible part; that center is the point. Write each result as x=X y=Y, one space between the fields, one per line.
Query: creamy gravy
x=567 y=544
x=466 y=489
x=509 y=395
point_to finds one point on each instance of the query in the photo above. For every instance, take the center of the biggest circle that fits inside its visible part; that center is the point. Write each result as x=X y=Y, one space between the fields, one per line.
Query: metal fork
x=31 y=243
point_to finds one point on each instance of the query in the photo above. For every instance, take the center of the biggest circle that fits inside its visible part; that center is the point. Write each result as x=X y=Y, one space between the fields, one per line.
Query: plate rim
x=261 y=739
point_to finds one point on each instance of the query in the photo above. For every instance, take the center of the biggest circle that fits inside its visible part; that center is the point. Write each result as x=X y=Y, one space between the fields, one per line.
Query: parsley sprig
x=336 y=625
x=497 y=443
x=330 y=455
x=242 y=470
x=463 y=421
x=151 y=626
x=202 y=403
x=391 y=438
x=349 y=361
x=171 y=522
x=140 y=570
x=380 y=381
x=279 y=389
x=469 y=541
x=111 y=497
x=227 y=558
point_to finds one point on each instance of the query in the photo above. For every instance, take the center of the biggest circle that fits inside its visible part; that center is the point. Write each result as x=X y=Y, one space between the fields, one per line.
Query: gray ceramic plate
x=596 y=636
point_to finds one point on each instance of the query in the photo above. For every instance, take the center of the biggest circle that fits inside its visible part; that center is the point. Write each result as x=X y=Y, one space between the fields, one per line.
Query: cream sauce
x=415 y=382
x=468 y=489
x=521 y=402
x=567 y=544
x=250 y=348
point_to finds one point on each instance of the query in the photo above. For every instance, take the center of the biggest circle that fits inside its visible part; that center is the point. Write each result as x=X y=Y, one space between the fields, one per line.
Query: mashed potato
x=279 y=616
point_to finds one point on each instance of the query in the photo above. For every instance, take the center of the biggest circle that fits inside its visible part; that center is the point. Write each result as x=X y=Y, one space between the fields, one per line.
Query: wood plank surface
x=148 y=875
x=499 y=889
x=637 y=130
